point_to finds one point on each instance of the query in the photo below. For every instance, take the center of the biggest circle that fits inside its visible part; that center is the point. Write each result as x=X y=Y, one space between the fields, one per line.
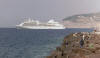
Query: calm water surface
x=17 y=43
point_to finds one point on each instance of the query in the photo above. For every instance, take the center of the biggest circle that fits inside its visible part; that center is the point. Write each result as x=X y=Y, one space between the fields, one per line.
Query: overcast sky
x=13 y=12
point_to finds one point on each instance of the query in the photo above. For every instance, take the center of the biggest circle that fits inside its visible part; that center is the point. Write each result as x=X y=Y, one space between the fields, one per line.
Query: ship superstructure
x=35 y=24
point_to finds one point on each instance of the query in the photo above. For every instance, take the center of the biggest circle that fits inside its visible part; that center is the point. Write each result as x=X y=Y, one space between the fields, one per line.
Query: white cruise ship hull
x=34 y=24
x=38 y=27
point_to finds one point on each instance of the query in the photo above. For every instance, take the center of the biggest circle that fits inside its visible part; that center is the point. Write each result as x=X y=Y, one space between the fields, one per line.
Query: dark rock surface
x=78 y=45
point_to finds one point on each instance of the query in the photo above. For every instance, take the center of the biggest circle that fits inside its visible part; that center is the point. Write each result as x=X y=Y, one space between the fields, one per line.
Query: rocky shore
x=78 y=45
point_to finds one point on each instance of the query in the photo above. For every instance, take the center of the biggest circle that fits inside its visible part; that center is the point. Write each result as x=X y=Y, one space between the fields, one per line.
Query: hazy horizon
x=13 y=12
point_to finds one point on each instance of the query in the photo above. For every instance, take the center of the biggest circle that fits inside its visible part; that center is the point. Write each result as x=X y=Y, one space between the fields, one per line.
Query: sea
x=25 y=43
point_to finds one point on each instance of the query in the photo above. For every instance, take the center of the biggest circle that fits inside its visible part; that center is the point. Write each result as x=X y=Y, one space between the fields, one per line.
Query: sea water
x=24 y=43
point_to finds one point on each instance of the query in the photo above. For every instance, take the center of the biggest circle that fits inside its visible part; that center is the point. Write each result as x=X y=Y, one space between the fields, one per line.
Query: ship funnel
x=29 y=20
x=50 y=21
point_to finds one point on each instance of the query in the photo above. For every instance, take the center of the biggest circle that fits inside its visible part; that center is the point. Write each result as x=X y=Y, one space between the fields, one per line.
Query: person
x=55 y=56
x=81 y=43
x=62 y=53
x=83 y=37
x=66 y=43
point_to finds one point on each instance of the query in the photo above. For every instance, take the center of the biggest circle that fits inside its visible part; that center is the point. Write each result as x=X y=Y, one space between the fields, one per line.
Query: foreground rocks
x=78 y=45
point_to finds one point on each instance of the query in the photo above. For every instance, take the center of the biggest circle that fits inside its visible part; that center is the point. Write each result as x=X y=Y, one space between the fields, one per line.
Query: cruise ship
x=35 y=24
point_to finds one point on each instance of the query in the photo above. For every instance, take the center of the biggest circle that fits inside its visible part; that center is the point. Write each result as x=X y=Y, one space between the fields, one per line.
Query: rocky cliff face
x=78 y=45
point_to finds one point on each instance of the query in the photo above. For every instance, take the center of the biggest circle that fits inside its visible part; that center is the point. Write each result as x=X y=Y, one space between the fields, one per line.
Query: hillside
x=82 y=20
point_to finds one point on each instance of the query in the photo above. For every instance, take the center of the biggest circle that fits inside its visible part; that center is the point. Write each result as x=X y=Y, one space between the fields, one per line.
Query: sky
x=13 y=12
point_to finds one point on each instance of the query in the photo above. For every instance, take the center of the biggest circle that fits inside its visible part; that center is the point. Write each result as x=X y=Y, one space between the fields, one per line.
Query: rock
x=78 y=45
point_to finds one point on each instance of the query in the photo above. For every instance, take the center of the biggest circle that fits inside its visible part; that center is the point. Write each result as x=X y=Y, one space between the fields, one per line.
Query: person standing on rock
x=82 y=41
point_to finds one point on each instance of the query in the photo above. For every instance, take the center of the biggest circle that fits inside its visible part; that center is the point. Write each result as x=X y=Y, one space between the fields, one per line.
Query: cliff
x=78 y=45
